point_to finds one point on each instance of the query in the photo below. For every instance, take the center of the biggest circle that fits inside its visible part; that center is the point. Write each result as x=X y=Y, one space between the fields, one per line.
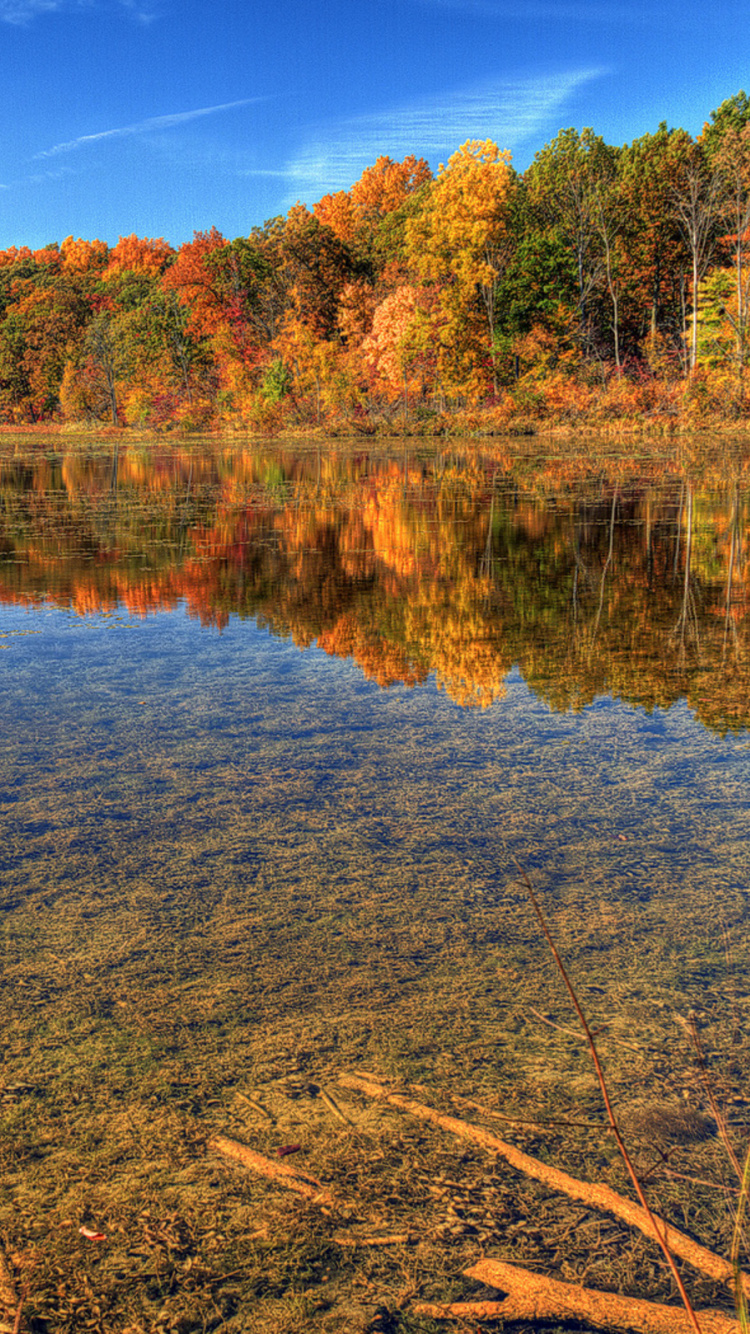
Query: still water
x=279 y=729
x=305 y=679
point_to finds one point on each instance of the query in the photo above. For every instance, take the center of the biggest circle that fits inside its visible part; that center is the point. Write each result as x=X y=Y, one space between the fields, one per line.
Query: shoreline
x=465 y=427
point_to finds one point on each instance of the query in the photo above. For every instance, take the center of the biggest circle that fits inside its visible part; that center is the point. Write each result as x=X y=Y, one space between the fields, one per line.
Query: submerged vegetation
x=283 y=1049
x=604 y=284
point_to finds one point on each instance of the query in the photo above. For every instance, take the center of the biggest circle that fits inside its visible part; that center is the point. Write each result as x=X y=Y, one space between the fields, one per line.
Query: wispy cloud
x=563 y=11
x=510 y=111
x=42 y=177
x=144 y=14
x=21 y=12
x=144 y=127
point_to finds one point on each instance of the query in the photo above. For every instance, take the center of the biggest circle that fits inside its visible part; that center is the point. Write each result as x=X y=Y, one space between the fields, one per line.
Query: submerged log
x=595 y=1194
x=275 y=1170
x=531 y=1296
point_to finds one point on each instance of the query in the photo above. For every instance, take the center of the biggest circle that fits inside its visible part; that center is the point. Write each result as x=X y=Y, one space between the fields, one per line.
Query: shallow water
x=279 y=730
x=283 y=734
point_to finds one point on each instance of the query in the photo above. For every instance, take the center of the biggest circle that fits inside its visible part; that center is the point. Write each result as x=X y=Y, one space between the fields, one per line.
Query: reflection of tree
x=444 y=566
x=687 y=621
x=607 y=563
x=734 y=559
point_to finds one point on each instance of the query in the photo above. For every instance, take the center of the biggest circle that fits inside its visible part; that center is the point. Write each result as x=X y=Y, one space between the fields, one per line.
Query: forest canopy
x=603 y=283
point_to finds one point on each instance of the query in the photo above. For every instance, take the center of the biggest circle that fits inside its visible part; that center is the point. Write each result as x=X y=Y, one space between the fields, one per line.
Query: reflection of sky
x=632 y=800
x=167 y=116
x=178 y=804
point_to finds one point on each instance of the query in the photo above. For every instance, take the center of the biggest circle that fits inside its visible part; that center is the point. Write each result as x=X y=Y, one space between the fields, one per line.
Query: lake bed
x=282 y=733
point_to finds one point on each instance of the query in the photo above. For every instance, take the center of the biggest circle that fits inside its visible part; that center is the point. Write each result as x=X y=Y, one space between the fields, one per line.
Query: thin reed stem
x=716 y=1110
x=659 y=1235
x=739 y=1294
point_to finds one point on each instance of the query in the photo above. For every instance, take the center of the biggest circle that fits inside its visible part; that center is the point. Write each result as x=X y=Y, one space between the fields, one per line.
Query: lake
x=285 y=730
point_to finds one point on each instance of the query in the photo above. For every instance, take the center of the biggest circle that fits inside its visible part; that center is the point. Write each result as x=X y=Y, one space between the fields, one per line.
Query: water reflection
x=623 y=579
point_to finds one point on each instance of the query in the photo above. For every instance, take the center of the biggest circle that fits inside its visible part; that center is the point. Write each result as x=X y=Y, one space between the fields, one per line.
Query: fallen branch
x=549 y=1123
x=391 y=1239
x=533 y=1297
x=581 y=1037
x=333 y=1107
x=595 y=1195
x=256 y=1106
x=281 y=1172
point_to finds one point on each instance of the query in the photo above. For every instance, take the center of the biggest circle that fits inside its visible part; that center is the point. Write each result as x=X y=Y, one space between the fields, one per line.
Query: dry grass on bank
x=543 y=402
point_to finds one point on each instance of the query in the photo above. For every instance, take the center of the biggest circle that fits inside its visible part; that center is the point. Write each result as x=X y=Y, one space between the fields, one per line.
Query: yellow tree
x=83 y=256
x=461 y=238
x=316 y=363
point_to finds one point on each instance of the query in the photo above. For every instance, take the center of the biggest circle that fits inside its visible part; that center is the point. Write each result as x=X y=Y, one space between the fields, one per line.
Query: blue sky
x=162 y=117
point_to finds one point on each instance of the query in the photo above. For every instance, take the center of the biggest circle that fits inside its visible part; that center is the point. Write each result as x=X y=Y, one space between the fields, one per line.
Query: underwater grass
x=231 y=872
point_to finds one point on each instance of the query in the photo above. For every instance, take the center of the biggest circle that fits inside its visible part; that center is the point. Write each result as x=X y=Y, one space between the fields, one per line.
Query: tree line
x=603 y=283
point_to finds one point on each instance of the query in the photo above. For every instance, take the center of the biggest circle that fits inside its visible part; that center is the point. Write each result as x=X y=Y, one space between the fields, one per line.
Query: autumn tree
x=355 y=216
x=185 y=359
x=83 y=256
x=140 y=255
x=195 y=277
x=220 y=285
x=103 y=348
x=307 y=366
x=538 y=289
x=726 y=140
x=571 y=185
x=45 y=305
x=460 y=239
x=732 y=116
x=312 y=266
x=654 y=256
x=398 y=342
x=307 y=267
x=698 y=195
